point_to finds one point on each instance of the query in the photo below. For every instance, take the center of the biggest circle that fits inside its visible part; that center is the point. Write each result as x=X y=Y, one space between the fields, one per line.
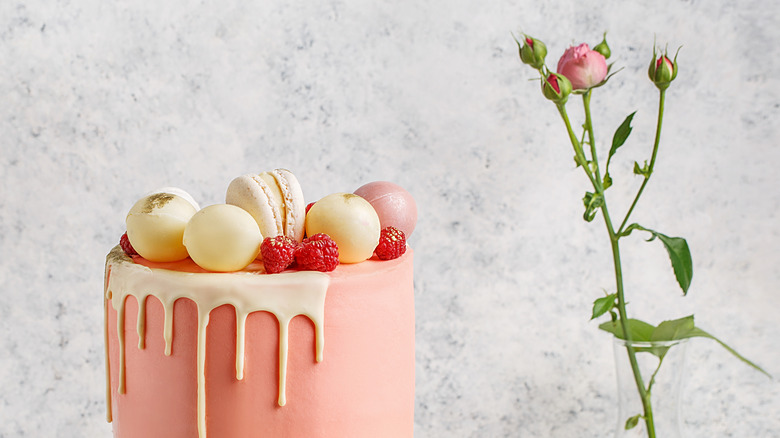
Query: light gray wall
x=103 y=101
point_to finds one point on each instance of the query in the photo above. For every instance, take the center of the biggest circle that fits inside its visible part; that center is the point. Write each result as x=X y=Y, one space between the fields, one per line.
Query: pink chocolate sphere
x=394 y=205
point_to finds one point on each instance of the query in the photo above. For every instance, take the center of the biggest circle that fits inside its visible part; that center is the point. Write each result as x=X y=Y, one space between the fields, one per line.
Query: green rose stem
x=592 y=140
x=661 y=100
x=592 y=171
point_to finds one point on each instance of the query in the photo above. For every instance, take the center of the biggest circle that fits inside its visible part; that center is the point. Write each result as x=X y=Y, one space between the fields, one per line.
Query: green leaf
x=697 y=332
x=603 y=305
x=592 y=202
x=621 y=134
x=633 y=421
x=643 y=171
x=639 y=330
x=607 y=183
x=679 y=255
x=670 y=331
x=630 y=228
x=684 y=328
x=673 y=330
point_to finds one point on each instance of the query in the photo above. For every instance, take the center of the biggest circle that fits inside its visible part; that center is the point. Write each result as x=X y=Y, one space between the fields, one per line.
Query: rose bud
x=585 y=68
x=603 y=47
x=662 y=71
x=556 y=87
x=532 y=52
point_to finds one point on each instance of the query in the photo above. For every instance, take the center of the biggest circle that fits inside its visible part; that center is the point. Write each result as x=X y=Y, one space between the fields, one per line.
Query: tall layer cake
x=297 y=349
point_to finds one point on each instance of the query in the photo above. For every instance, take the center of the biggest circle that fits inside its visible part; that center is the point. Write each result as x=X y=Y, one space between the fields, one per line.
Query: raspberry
x=392 y=244
x=318 y=253
x=124 y=242
x=278 y=253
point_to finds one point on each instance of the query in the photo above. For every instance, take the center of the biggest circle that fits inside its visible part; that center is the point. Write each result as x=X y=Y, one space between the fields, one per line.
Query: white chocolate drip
x=284 y=295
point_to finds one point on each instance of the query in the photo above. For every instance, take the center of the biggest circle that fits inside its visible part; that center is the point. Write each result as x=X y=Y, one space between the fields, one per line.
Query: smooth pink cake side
x=362 y=387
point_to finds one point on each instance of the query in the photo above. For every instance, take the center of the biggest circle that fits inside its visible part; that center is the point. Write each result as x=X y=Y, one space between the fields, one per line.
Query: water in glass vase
x=661 y=365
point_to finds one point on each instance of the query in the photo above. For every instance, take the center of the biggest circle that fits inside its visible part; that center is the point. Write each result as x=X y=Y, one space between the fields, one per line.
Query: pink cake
x=192 y=353
x=169 y=375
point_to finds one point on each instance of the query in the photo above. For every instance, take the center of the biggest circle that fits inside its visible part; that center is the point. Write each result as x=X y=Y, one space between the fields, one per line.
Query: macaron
x=274 y=199
x=155 y=226
x=393 y=204
x=222 y=238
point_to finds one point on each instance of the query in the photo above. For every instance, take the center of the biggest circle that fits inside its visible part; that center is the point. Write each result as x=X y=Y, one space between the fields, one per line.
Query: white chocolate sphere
x=178 y=192
x=222 y=238
x=350 y=221
x=155 y=226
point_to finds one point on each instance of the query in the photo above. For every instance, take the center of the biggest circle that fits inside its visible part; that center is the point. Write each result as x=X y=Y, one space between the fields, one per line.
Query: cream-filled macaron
x=155 y=226
x=222 y=238
x=275 y=201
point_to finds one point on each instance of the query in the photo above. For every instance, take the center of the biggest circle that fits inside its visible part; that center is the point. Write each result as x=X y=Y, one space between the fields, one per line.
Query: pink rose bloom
x=583 y=67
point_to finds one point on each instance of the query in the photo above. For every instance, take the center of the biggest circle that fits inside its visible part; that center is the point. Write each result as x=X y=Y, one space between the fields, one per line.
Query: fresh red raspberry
x=124 y=242
x=318 y=253
x=278 y=253
x=392 y=244
x=308 y=207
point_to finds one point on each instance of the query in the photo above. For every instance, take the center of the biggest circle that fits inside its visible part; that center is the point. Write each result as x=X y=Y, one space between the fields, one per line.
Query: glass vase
x=662 y=368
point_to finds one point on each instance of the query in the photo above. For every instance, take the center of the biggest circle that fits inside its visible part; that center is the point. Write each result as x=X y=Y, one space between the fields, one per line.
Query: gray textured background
x=103 y=101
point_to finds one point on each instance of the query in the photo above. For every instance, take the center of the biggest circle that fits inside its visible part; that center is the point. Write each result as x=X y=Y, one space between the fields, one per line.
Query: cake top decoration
x=265 y=217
